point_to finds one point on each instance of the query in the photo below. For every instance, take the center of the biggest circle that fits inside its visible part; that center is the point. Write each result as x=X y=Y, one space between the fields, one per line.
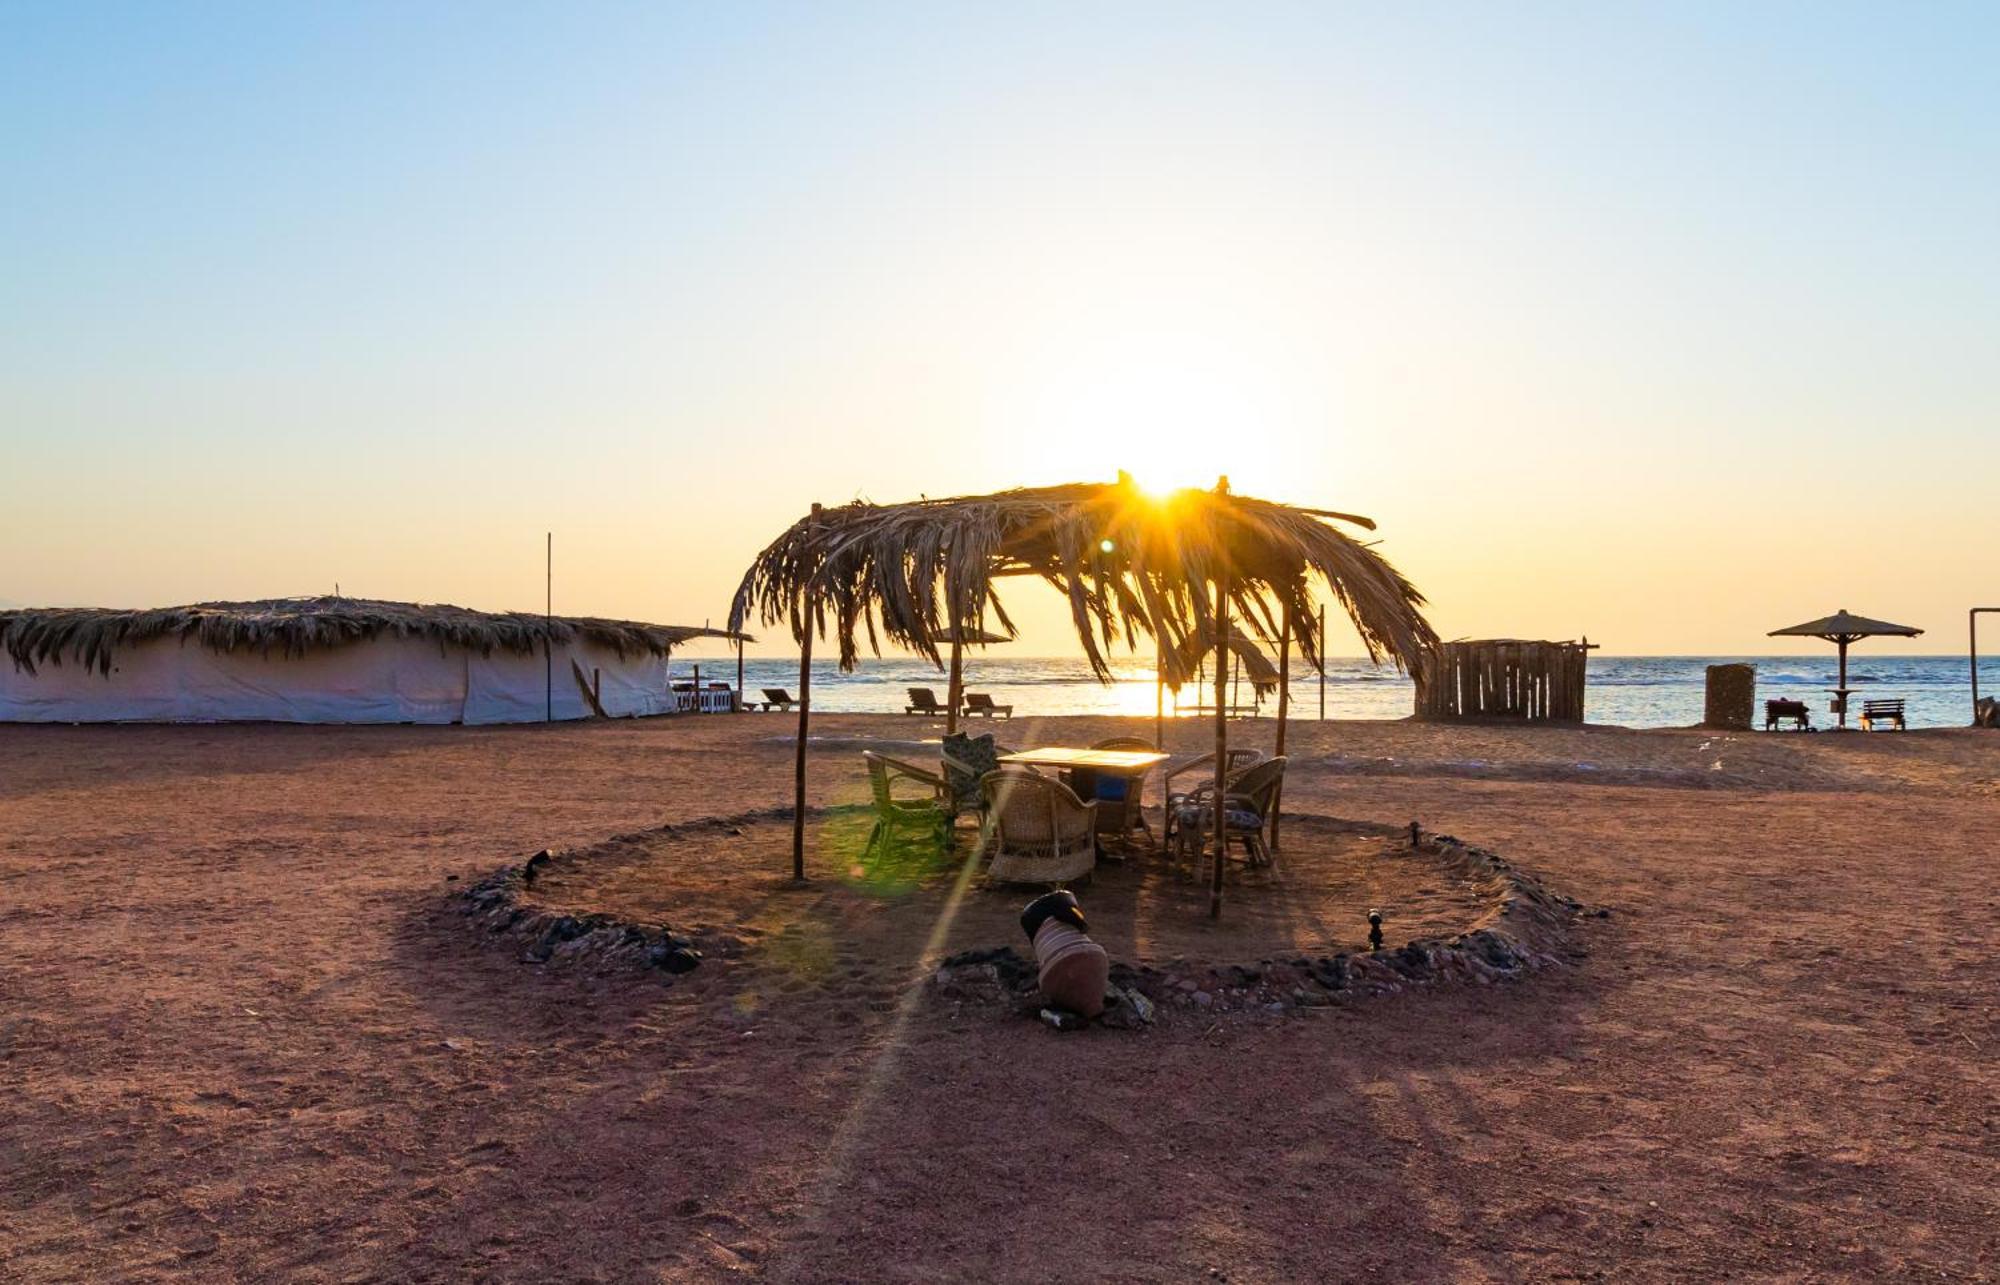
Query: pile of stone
x=553 y=937
x=1528 y=929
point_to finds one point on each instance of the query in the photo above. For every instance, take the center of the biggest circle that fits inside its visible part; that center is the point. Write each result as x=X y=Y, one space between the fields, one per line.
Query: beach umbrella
x=1129 y=563
x=1842 y=628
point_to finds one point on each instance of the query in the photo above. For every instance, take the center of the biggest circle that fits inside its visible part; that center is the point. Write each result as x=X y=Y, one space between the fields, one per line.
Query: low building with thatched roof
x=329 y=660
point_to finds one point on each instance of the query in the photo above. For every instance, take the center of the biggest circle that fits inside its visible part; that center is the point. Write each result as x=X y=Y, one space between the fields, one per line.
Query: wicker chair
x=1249 y=803
x=928 y=819
x=1239 y=762
x=1042 y=833
x=1121 y=800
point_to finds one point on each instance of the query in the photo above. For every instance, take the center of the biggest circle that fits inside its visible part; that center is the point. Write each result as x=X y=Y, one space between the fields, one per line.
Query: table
x=1081 y=768
x=1117 y=762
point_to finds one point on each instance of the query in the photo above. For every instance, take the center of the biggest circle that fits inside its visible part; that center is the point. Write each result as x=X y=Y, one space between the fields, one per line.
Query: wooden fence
x=1504 y=678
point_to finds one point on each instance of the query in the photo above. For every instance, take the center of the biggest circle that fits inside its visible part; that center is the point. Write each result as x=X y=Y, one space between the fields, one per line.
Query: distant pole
x=1322 y=664
x=549 y=625
x=1160 y=696
x=738 y=707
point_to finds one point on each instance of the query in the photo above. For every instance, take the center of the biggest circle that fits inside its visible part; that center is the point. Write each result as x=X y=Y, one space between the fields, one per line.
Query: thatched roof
x=1845 y=624
x=1258 y=667
x=1129 y=563
x=90 y=636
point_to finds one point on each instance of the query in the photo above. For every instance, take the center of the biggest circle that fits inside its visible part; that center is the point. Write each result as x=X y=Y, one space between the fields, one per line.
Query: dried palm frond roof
x=90 y=636
x=1129 y=563
x=1256 y=664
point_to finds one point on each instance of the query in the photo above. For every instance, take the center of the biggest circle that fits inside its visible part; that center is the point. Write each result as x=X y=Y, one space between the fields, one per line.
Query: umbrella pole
x=1843 y=683
x=1221 y=739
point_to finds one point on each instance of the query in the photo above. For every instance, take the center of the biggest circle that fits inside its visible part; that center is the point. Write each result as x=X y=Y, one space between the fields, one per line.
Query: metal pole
x=549 y=625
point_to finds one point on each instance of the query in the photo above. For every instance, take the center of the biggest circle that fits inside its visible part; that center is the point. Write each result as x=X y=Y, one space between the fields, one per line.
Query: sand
x=242 y=1034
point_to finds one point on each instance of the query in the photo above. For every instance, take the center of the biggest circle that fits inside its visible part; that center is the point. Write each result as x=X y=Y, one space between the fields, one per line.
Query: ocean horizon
x=1626 y=691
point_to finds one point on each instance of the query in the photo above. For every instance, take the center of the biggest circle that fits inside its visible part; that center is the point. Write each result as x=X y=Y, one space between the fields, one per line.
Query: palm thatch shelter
x=1130 y=565
x=330 y=660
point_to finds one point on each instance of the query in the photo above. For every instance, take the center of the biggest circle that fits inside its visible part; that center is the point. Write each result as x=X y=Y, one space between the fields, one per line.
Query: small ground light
x=1374 y=930
x=1106 y=545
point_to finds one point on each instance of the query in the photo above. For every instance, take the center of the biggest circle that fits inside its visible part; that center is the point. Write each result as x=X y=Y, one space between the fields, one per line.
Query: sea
x=1628 y=691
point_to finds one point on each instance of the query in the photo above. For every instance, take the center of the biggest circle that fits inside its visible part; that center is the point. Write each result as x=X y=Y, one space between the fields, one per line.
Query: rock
x=1275 y=1006
x=1125 y=1010
x=535 y=864
x=674 y=959
x=1062 y=1019
x=1202 y=999
x=688 y=1206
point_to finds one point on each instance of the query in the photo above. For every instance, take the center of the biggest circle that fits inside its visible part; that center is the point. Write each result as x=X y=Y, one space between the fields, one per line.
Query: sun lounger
x=1884 y=712
x=777 y=698
x=1777 y=711
x=980 y=703
x=924 y=701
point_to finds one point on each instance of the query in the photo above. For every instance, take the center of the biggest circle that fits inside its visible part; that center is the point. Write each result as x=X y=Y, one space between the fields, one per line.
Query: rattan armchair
x=1249 y=804
x=1239 y=760
x=1040 y=831
x=896 y=820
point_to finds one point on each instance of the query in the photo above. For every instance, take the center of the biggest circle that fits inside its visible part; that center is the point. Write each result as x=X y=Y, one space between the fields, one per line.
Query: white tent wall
x=386 y=680
x=506 y=687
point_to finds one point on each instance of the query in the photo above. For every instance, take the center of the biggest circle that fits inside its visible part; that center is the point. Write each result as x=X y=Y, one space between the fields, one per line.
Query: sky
x=1667 y=324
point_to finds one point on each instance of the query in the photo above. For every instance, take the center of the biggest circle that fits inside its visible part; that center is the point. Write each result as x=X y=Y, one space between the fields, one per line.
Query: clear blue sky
x=1667 y=324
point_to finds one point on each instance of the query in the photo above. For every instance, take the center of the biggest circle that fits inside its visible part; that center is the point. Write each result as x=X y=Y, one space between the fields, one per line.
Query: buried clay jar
x=1073 y=969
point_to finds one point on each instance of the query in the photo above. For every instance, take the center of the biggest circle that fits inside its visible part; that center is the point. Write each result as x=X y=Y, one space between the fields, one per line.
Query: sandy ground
x=240 y=1039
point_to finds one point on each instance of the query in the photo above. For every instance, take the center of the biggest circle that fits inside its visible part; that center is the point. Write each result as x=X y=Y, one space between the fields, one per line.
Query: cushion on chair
x=1197 y=816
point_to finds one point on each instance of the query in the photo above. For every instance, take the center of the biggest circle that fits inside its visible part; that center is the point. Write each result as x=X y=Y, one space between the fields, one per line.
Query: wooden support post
x=1221 y=739
x=1160 y=698
x=803 y=608
x=1322 y=664
x=954 y=690
x=739 y=705
x=1284 y=704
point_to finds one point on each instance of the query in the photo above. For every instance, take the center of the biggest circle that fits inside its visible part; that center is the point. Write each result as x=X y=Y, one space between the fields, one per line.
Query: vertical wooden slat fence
x=1504 y=678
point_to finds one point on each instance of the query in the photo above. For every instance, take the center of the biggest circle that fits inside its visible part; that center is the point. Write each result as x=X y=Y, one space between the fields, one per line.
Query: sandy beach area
x=244 y=1034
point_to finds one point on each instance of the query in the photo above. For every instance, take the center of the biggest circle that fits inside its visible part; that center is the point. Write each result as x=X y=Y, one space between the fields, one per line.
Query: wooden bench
x=1883 y=711
x=1777 y=711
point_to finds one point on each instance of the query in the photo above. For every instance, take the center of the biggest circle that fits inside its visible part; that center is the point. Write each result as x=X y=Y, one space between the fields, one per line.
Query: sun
x=1161 y=482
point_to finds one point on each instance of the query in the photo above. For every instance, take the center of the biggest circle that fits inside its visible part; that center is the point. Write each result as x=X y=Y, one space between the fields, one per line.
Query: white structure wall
x=385 y=680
